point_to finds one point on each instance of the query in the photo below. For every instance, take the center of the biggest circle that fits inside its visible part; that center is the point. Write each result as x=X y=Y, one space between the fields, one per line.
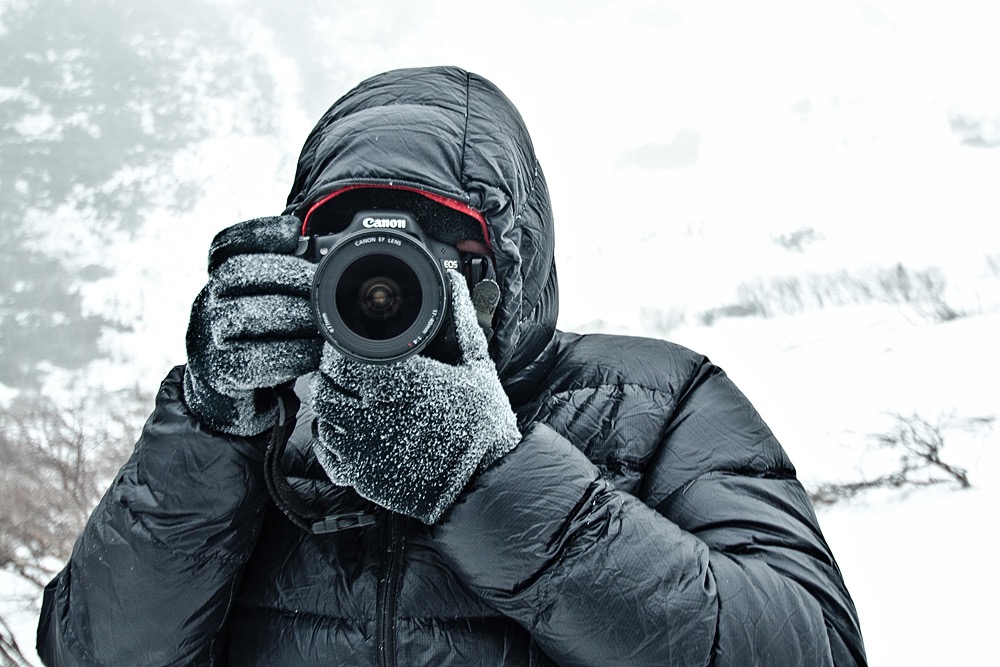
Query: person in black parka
x=551 y=499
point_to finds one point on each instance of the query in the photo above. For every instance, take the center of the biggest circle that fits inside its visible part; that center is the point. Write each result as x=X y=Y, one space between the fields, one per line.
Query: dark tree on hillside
x=96 y=98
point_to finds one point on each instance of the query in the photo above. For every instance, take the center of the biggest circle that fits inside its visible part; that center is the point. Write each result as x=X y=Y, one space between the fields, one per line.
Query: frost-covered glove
x=410 y=435
x=251 y=327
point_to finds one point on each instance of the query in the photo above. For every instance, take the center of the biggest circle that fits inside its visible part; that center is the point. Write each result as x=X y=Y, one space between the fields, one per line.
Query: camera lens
x=372 y=299
x=379 y=296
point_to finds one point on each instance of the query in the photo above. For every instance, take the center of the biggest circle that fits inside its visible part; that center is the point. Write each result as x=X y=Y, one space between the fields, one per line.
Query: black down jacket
x=648 y=516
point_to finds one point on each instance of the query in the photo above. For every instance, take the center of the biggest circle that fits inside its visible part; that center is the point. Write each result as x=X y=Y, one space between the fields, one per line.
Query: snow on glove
x=251 y=327
x=410 y=435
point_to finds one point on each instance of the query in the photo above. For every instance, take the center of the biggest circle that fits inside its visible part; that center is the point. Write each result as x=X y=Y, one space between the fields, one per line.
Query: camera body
x=380 y=292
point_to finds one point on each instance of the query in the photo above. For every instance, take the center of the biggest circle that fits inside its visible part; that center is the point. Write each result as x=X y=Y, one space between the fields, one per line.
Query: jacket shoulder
x=652 y=415
x=614 y=398
x=604 y=359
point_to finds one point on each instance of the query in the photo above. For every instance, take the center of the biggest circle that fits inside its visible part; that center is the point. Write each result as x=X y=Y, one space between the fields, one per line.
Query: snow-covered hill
x=917 y=562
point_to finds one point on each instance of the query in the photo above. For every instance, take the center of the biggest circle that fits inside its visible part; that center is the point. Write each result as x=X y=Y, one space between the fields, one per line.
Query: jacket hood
x=455 y=136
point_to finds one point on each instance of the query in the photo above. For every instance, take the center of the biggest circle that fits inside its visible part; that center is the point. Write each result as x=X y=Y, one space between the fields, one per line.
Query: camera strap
x=291 y=503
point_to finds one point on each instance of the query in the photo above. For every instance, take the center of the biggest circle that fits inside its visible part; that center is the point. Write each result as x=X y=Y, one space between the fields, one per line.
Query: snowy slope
x=918 y=564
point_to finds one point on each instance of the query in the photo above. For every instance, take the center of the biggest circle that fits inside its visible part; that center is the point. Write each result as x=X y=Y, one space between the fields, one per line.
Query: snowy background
x=806 y=191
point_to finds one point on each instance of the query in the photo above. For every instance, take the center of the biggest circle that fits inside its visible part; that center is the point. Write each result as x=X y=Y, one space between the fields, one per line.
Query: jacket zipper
x=388 y=591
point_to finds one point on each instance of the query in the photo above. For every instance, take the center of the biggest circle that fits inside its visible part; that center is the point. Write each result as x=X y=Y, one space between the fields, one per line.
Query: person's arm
x=154 y=572
x=729 y=569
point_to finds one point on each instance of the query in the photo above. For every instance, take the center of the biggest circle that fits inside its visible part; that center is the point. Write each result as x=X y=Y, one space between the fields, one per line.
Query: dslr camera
x=380 y=291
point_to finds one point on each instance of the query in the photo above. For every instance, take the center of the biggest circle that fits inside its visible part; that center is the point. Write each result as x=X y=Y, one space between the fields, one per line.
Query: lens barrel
x=379 y=296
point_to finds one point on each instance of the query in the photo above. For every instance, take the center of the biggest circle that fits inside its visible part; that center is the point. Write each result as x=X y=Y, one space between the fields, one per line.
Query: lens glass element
x=379 y=297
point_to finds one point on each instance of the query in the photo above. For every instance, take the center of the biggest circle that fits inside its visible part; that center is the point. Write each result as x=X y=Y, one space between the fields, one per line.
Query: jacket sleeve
x=729 y=568
x=153 y=574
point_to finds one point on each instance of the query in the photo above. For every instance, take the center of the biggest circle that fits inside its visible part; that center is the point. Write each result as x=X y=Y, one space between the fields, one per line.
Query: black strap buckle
x=337 y=522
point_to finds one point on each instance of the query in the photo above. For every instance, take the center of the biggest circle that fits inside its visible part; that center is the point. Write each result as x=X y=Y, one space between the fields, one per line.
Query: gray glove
x=251 y=327
x=410 y=435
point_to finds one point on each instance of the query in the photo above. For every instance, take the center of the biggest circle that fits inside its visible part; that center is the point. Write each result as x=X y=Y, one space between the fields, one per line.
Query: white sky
x=831 y=115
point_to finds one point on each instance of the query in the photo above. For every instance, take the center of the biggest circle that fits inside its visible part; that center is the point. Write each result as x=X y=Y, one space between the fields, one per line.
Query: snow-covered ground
x=918 y=564
x=679 y=140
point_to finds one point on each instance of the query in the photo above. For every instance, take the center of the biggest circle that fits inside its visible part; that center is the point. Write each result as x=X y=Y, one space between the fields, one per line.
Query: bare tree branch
x=10 y=652
x=919 y=444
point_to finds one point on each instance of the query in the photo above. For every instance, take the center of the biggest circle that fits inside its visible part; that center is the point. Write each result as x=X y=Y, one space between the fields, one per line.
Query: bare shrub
x=709 y=317
x=661 y=320
x=931 y=302
x=57 y=463
x=796 y=241
x=918 y=443
x=975 y=129
x=993 y=265
x=10 y=651
x=923 y=290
